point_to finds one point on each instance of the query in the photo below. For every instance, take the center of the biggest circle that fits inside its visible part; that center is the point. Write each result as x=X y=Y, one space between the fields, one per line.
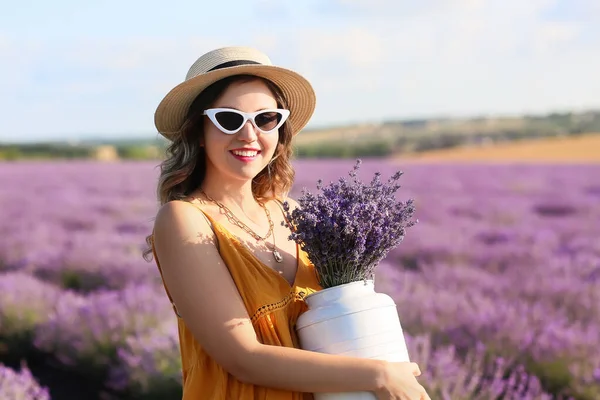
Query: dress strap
x=210 y=223
x=207 y=218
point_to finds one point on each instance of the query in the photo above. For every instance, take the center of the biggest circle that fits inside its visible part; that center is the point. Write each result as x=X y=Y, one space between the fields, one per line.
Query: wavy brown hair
x=184 y=167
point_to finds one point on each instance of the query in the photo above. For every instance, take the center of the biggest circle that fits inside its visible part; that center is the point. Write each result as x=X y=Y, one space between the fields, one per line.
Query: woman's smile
x=245 y=155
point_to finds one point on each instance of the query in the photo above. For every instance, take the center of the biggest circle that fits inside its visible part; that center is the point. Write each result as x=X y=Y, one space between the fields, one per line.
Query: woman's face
x=223 y=151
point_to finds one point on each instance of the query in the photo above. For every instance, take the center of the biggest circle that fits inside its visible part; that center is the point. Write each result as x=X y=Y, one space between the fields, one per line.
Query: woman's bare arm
x=207 y=299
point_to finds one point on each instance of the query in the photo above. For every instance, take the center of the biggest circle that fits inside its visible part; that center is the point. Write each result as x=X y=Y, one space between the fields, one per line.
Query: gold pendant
x=277 y=256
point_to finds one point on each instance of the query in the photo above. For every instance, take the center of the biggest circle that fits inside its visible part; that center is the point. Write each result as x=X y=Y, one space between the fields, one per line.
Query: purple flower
x=349 y=227
x=149 y=363
x=25 y=302
x=85 y=331
x=474 y=376
x=20 y=385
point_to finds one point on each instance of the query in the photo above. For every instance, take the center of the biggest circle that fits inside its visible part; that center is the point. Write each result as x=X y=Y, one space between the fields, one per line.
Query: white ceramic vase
x=353 y=320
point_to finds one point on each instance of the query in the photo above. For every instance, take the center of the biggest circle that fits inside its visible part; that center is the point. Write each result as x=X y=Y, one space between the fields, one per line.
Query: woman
x=235 y=280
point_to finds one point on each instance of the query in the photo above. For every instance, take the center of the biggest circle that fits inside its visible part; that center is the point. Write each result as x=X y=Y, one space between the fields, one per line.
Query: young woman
x=235 y=280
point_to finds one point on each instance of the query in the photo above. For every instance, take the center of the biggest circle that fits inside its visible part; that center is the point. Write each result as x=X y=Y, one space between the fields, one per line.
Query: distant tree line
x=406 y=136
x=44 y=151
x=415 y=136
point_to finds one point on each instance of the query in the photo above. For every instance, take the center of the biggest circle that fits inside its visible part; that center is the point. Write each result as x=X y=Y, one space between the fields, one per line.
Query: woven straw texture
x=171 y=111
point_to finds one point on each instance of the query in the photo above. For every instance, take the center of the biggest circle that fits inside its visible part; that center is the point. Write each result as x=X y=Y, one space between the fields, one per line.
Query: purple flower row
x=130 y=333
x=148 y=363
x=83 y=229
x=473 y=376
x=86 y=331
x=82 y=330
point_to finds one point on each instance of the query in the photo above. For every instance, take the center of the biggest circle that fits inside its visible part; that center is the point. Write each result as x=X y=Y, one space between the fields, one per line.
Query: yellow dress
x=273 y=306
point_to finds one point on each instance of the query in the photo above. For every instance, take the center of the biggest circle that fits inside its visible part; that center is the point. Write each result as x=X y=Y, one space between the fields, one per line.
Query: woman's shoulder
x=173 y=210
x=181 y=217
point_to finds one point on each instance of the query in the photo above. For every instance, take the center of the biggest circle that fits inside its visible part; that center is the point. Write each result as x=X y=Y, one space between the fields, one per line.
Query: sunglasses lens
x=267 y=121
x=229 y=120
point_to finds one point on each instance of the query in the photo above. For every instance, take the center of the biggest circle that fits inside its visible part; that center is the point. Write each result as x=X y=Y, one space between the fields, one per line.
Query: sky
x=98 y=69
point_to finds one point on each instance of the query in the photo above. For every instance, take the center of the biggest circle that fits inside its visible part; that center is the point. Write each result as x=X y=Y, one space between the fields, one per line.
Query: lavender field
x=498 y=286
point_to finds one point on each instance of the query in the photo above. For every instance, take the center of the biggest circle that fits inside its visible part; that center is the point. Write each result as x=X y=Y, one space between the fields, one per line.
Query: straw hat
x=228 y=61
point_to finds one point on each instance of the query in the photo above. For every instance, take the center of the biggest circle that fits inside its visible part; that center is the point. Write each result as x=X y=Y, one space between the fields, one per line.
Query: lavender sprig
x=350 y=226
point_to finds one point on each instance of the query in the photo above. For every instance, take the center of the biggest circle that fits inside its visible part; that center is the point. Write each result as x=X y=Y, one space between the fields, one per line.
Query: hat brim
x=299 y=93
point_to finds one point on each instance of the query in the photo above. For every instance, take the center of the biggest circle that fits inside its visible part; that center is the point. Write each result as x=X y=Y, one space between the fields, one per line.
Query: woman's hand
x=401 y=384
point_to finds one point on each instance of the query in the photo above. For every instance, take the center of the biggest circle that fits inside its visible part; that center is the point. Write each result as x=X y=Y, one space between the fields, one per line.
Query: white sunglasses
x=230 y=120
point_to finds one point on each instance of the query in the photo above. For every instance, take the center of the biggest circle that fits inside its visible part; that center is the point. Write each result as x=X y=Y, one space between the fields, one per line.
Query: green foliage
x=135 y=152
x=338 y=150
x=43 y=151
x=556 y=378
x=71 y=280
x=78 y=280
x=10 y=154
x=554 y=375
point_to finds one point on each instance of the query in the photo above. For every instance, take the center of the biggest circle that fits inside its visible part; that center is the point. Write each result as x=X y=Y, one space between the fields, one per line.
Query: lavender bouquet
x=348 y=228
